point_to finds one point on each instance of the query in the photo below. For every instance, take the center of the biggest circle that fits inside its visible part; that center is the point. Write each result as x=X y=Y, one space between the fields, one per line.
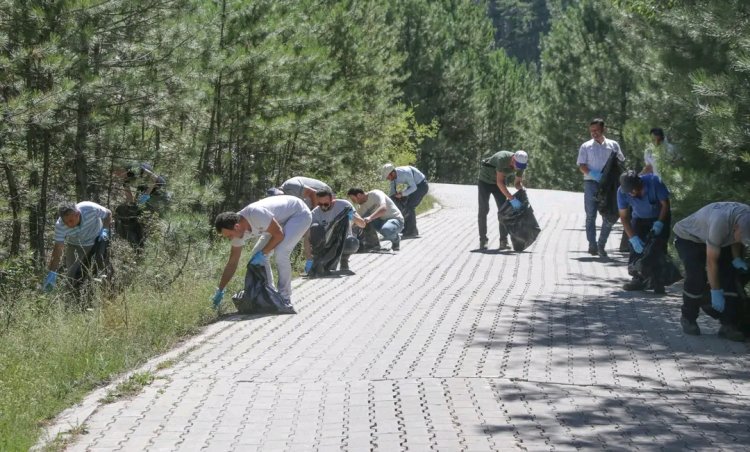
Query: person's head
x=274 y=191
x=520 y=160
x=657 y=135
x=325 y=199
x=228 y=225
x=388 y=171
x=631 y=183
x=596 y=129
x=69 y=214
x=357 y=195
x=742 y=231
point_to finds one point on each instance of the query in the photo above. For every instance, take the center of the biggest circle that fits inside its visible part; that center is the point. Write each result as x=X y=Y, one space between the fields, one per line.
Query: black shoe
x=600 y=251
x=634 y=284
x=732 y=333
x=344 y=267
x=593 y=250
x=690 y=327
x=395 y=246
x=483 y=244
x=660 y=290
x=410 y=236
x=503 y=245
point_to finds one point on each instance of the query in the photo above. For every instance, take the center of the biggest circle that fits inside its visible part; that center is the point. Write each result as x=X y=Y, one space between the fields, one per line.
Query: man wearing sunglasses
x=648 y=199
x=331 y=234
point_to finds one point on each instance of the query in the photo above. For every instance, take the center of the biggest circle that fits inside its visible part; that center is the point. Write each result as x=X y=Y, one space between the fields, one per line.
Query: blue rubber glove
x=308 y=265
x=104 y=234
x=740 y=264
x=596 y=175
x=717 y=299
x=637 y=244
x=351 y=215
x=143 y=199
x=657 y=227
x=49 y=281
x=258 y=259
x=218 y=295
x=516 y=204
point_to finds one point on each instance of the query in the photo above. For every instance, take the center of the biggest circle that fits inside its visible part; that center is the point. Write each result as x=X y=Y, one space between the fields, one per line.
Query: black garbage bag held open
x=606 y=195
x=259 y=297
x=328 y=244
x=653 y=265
x=521 y=224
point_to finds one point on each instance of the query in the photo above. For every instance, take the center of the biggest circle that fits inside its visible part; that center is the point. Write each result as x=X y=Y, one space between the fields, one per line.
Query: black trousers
x=485 y=190
x=641 y=227
x=410 y=206
x=696 y=289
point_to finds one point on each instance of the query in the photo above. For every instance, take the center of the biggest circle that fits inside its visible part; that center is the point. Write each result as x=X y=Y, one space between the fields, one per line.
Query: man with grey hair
x=410 y=196
x=77 y=229
x=711 y=243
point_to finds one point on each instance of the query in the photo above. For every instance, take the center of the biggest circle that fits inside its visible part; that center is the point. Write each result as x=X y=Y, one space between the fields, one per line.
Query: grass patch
x=129 y=387
x=428 y=202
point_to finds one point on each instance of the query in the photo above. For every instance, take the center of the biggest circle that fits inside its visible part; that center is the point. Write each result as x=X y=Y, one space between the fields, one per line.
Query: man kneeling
x=331 y=234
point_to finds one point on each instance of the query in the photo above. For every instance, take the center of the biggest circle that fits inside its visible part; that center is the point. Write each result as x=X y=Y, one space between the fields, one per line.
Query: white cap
x=387 y=169
x=521 y=158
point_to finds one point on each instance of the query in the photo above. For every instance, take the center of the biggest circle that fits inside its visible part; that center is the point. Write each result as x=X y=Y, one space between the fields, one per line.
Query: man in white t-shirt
x=284 y=219
x=331 y=234
x=378 y=210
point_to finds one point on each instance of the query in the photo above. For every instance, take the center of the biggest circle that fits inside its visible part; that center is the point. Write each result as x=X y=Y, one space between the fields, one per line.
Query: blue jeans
x=589 y=202
x=389 y=228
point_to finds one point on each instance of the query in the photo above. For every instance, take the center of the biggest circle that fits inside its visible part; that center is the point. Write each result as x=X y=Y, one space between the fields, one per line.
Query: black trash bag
x=328 y=244
x=129 y=225
x=606 y=195
x=259 y=297
x=734 y=282
x=94 y=264
x=521 y=224
x=368 y=238
x=653 y=266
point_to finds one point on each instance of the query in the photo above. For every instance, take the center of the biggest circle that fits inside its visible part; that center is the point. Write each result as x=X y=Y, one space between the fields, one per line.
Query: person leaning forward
x=592 y=157
x=711 y=243
x=494 y=171
x=284 y=218
x=77 y=229
x=411 y=196
x=378 y=211
x=331 y=234
x=648 y=199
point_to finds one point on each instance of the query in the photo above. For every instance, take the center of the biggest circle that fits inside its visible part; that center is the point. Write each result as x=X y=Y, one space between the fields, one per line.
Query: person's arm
x=712 y=266
x=737 y=250
x=625 y=220
x=230 y=267
x=107 y=219
x=359 y=221
x=664 y=212
x=581 y=161
x=277 y=235
x=392 y=191
x=500 y=181
x=411 y=185
x=310 y=194
x=128 y=194
x=379 y=212
x=54 y=261
x=154 y=180
x=518 y=182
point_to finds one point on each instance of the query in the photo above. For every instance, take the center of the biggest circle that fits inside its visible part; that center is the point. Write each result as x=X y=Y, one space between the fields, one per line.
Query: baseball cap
x=387 y=169
x=522 y=159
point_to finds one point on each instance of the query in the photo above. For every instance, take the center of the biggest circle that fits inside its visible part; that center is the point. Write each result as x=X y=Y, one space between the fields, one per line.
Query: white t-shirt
x=260 y=213
x=595 y=155
x=375 y=199
x=87 y=230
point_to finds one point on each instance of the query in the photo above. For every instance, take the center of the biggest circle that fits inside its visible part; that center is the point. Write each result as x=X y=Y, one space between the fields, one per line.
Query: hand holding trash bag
x=657 y=227
x=516 y=204
x=49 y=281
x=717 y=299
x=596 y=175
x=258 y=258
x=218 y=295
x=740 y=264
x=637 y=244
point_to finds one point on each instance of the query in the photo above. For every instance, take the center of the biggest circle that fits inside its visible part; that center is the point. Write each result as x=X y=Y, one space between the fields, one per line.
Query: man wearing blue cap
x=494 y=171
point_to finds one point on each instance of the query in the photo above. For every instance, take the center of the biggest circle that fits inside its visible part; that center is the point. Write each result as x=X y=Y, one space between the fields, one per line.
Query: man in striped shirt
x=78 y=227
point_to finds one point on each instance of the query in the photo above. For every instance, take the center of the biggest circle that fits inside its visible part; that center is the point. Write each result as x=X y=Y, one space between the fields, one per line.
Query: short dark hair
x=66 y=208
x=323 y=192
x=355 y=191
x=658 y=131
x=630 y=180
x=597 y=121
x=226 y=220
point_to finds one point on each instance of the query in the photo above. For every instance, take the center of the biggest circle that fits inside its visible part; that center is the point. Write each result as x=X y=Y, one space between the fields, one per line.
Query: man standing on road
x=494 y=171
x=284 y=218
x=592 y=156
x=710 y=242
x=410 y=197
x=648 y=199
x=305 y=189
x=378 y=211
x=332 y=216
x=79 y=226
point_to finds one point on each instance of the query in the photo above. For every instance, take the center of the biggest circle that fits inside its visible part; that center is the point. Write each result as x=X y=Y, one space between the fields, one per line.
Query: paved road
x=441 y=348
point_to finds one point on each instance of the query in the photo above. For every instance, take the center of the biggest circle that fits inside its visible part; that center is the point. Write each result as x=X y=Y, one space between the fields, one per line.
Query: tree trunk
x=15 y=207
